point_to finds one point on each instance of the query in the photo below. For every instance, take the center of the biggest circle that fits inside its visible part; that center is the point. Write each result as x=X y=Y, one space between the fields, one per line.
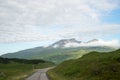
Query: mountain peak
x=93 y=40
x=66 y=43
x=63 y=42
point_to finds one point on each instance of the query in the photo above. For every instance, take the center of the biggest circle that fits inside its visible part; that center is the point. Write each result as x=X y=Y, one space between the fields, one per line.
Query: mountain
x=66 y=43
x=92 y=41
x=92 y=66
x=70 y=43
x=56 y=55
x=59 y=51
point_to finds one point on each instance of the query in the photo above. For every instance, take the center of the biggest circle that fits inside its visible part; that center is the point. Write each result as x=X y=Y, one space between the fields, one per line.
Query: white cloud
x=29 y=20
x=90 y=31
x=112 y=43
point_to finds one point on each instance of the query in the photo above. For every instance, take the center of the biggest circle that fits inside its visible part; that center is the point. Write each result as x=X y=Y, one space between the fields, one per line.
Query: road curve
x=40 y=74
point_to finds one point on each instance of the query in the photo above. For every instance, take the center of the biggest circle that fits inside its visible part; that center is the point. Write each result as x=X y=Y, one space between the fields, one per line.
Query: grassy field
x=92 y=66
x=19 y=71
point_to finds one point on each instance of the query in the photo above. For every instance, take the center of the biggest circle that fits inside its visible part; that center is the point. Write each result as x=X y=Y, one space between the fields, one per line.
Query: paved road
x=40 y=74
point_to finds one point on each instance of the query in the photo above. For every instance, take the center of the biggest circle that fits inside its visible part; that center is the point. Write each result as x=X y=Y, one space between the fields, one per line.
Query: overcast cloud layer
x=30 y=20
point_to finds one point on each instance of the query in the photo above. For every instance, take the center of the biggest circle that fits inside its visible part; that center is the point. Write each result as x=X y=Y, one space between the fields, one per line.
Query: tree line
x=24 y=61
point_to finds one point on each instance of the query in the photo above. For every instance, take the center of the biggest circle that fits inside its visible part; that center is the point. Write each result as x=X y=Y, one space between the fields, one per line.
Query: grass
x=92 y=66
x=19 y=71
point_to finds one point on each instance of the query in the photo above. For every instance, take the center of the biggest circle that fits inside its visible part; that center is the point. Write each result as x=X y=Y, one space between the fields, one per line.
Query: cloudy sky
x=30 y=23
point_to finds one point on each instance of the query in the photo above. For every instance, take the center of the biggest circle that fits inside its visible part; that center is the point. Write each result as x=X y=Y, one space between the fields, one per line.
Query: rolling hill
x=92 y=66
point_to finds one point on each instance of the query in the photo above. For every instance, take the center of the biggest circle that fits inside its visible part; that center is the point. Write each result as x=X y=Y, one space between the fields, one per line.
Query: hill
x=92 y=66
x=55 y=55
x=18 y=69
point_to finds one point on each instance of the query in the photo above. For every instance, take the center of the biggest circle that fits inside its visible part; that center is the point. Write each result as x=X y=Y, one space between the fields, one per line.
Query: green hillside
x=18 y=69
x=92 y=66
x=55 y=55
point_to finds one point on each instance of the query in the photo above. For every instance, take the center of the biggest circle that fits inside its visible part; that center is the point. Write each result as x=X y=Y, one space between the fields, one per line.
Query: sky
x=30 y=23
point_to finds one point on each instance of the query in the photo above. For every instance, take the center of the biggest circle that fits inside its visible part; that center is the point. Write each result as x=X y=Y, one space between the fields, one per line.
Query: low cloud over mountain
x=65 y=43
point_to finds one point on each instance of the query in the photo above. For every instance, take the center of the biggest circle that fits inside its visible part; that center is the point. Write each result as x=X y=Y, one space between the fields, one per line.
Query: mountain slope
x=92 y=66
x=55 y=55
x=61 y=50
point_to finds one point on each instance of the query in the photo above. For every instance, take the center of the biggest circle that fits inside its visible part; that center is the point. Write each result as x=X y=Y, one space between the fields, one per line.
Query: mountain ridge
x=67 y=43
x=61 y=43
x=57 y=54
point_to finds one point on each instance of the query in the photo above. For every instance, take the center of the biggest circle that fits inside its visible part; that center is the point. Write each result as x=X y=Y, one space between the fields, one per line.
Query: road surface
x=40 y=74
